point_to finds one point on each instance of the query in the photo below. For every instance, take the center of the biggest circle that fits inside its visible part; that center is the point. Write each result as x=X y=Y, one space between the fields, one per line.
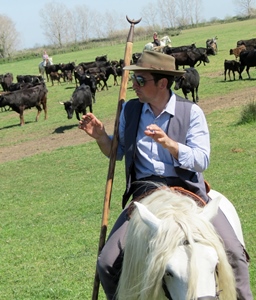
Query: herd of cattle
x=30 y=91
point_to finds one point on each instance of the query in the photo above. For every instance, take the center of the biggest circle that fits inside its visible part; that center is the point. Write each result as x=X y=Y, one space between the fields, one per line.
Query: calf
x=231 y=65
x=55 y=76
x=236 y=51
x=80 y=99
x=188 y=82
x=68 y=76
x=26 y=98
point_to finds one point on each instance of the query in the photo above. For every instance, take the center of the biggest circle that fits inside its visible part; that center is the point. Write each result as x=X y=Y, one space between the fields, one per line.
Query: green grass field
x=51 y=202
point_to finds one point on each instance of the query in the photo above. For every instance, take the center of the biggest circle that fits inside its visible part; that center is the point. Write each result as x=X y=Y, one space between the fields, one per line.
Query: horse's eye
x=186 y=242
x=168 y=274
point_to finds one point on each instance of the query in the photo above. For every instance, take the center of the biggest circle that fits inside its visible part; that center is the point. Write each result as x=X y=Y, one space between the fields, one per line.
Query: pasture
x=53 y=176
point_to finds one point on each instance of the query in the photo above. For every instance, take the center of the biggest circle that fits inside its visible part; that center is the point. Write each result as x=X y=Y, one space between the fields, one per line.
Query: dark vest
x=177 y=130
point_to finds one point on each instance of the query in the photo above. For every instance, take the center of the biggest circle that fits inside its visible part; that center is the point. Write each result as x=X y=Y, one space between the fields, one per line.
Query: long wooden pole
x=112 y=161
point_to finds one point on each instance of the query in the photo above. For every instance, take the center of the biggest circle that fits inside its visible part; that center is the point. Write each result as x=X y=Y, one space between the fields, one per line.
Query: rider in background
x=45 y=58
x=156 y=40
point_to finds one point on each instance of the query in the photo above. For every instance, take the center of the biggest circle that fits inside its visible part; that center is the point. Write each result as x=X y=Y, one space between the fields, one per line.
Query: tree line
x=62 y=26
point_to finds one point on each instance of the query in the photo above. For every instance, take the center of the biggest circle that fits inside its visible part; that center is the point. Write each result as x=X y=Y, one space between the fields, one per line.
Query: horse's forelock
x=147 y=254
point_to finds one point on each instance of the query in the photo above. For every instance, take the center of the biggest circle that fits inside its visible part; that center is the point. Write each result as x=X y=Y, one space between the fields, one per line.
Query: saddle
x=199 y=201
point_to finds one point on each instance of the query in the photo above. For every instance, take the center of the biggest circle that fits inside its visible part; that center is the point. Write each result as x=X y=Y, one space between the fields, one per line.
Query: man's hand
x=158 y=135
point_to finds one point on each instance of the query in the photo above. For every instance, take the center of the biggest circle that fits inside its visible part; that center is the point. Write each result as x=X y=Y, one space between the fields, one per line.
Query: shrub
x=248 y=114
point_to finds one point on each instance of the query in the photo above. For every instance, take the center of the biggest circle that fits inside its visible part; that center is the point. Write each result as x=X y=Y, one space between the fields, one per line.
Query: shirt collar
x=170 y=106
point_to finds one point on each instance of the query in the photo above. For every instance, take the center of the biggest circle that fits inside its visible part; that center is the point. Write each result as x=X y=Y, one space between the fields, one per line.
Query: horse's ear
x=147 y=217
x=210 y=210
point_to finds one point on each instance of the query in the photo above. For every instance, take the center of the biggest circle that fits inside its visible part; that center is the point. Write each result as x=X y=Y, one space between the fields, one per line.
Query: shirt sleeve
x=195 y=155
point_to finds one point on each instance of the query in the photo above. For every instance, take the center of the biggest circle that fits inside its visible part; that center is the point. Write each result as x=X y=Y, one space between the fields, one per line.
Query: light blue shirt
x=152 y=159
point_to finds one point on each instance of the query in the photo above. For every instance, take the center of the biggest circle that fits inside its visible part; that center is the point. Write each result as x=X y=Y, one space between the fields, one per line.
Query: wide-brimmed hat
x=155 y=62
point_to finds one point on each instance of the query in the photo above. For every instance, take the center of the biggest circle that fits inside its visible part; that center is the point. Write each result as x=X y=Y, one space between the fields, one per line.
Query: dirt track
x=51 y=142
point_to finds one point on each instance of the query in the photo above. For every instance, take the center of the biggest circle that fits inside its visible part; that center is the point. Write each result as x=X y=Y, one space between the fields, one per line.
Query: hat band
x=148 y=66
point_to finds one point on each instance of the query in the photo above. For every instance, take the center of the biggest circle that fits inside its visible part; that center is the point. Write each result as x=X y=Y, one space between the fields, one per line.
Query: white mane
x=146 y=255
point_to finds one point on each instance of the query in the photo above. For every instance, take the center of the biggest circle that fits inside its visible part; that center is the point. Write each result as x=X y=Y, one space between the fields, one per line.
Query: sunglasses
x=141 y=81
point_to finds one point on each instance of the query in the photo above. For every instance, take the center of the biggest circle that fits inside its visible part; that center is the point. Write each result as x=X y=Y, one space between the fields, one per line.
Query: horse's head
x=49 y=61
x=165 y=40
x=173 y=244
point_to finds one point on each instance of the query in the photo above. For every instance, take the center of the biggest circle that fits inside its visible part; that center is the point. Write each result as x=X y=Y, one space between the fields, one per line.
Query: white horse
x=172 y=250
x=42 y=66
x=164 y=41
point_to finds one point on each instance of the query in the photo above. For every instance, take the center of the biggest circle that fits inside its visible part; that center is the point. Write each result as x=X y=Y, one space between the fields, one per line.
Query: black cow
x=119 y=72
x=80 y=99
x=68 y=67
x=26 y=98
x=94 y=64
x=21 y=85
x=78 y=72
x=29 y=78
x=250 y=44
x=208 y=51
x=247 y=59
x=135 y=57
x=102 y=74
x=231 y=66
x=90 y=80
x=188 y=82
x=169 y=50
x=101 y=58
x=6 y=81
x=190 y=58
x=52 y=68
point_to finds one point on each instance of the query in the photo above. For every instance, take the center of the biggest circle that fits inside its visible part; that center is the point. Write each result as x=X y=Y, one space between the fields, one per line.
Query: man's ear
x=163 y=83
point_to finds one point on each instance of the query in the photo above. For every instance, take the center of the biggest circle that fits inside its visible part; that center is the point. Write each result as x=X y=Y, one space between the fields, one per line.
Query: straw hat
x=156 y=62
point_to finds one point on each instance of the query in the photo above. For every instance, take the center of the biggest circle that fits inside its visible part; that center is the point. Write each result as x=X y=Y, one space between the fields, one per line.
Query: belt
x=145 y=184
x=167 y=180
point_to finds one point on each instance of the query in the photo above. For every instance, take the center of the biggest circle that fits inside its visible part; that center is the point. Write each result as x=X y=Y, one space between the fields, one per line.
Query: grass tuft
x=248 y=114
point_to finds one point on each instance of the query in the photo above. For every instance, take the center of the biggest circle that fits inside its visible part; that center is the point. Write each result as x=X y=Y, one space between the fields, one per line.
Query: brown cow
x=55 y=76
x=236 y=51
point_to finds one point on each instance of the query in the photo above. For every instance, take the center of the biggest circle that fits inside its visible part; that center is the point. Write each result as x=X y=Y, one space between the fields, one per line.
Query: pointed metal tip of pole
x=133 y=21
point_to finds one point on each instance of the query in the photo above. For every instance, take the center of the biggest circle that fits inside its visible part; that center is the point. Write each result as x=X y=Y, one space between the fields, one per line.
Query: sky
x=25 y=14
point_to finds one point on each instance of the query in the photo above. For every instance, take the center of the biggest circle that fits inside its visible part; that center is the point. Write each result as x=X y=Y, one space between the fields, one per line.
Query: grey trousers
x=111 y=257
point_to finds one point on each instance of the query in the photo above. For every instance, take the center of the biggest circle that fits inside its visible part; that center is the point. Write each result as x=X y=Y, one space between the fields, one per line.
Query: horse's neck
x=49 y=61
